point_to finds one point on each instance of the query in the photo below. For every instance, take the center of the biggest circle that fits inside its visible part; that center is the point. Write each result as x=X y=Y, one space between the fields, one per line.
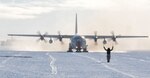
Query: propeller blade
x=62 y=42
x=113 y=33
x=116 y=42
x=39 y=33
x=95 y=32
x=42 y=36
x=46 y=33
x=45 y=41
x=37 y=40
x=58 y=32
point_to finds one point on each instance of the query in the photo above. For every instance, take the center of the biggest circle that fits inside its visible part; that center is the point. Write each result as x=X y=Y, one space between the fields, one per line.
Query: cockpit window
x=77 y=38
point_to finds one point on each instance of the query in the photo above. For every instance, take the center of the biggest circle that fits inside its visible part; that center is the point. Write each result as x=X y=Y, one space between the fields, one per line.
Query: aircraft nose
x=79 y=41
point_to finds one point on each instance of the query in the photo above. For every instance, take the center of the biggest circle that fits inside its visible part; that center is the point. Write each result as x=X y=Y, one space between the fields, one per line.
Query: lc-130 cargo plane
x=77 y=42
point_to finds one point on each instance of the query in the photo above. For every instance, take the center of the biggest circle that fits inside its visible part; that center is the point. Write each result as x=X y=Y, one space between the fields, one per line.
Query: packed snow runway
x=73 y=65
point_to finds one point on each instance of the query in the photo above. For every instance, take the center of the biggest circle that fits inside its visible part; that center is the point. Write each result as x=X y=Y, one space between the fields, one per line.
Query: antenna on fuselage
x=76 y=25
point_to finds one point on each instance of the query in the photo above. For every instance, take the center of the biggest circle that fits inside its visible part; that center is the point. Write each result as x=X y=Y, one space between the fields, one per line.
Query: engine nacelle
x=50 y=41
x=114 y=39
x=60 y=39
x=59 y=36
x=104 y=42
x=42 y=38
x=95 y=39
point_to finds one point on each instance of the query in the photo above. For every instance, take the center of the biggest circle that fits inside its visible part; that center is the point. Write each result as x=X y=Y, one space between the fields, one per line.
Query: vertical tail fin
x=76 y=25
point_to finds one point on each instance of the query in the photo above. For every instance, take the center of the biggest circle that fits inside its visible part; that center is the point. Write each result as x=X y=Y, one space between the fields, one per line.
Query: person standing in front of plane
x=108 y=53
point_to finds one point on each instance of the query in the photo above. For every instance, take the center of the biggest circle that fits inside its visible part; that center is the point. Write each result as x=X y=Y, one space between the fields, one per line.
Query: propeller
x=59 y=36
x=114 y=37
x=95 y=37
x=42 y=36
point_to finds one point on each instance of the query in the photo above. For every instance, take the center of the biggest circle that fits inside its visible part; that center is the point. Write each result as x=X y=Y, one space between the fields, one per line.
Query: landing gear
x=70 y=48
x=85 y=50
x=78 y=50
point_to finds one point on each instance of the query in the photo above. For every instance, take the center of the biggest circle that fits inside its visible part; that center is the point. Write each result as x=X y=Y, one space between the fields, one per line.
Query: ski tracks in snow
x=107 y=66
x=52 y=64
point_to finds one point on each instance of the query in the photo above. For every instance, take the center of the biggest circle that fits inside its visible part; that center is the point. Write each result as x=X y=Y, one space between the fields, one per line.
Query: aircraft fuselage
x=78 y=42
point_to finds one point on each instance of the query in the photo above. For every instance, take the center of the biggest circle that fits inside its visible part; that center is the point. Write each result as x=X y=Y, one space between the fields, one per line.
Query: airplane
x=77 y=42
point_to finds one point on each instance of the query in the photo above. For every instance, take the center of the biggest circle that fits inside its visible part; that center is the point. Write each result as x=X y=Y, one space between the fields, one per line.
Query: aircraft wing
x=24 y=35
x=69 y=36
x=56 y=36
x=109 y=36
x=98 y=37
x=131 y=36
x=46 y=36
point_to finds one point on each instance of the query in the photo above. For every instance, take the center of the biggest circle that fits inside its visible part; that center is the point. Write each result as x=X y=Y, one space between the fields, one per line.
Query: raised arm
x=112 y=48
x=104 y=48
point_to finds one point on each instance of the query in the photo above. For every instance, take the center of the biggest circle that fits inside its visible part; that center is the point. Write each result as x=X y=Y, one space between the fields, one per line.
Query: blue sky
x=126 y=17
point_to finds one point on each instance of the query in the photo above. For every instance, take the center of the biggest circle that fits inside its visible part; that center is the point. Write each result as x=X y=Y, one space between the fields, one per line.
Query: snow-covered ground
x=73 y=65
